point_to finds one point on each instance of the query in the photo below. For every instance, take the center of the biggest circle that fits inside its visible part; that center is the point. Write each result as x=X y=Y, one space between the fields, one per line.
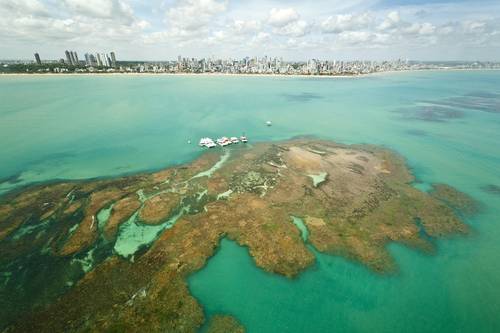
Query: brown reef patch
x=121 y=212
x=159 y=208
x=86 y=233
x=455 y=199
x=224 y=324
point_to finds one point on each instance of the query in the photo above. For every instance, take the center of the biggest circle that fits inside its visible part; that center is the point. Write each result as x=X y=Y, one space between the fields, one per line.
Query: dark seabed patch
x=442 y=110
x=431 y=113
x=478 y=101
x=491 y=189
x=302 y=97
x=416 y=132
x=13 y=179
x=484 y=94
x=52 y=159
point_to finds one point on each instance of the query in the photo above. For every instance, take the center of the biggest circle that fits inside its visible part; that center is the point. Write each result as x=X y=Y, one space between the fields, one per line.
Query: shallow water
x=446 y=124
x=299 y=223
x=133 y=235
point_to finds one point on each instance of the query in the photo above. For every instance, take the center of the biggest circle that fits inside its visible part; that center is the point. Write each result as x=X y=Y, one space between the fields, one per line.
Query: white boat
x=211 y=144
x=243 y=139
x=269 y=123
x=234 y=139
x=224 y=141
x=204 y=141
x=207 y=142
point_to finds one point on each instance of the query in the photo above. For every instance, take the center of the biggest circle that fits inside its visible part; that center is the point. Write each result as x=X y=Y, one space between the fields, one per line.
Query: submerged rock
x=492 y=189
x=455 y=199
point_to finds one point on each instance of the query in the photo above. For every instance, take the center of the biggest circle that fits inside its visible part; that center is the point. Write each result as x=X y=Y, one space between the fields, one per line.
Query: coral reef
x=352 y=199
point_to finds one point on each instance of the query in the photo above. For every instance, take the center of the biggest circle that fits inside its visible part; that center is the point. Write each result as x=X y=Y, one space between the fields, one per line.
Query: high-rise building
x=104 y=60
x=99 y=61
x=93 y=61
x=75 y=57
x=72 y=60
x=87 y=60
x=68 y=57
x=113 y=59
x=37 y=59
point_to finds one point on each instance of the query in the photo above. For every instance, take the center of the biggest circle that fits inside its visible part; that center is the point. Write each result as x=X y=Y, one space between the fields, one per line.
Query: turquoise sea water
x=446 y=124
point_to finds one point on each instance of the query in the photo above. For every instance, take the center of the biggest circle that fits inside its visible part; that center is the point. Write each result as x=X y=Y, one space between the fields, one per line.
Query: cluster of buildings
x=104 y=63
x=71 y=58
x=100 y=60
x=278 y=66
x=91 y=60
x=267 y=65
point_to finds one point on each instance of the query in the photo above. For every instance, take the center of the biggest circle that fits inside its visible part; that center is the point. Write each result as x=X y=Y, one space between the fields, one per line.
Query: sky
x=294 y=30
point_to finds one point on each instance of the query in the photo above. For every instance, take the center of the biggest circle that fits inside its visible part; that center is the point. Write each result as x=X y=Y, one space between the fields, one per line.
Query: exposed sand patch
x=314 y=221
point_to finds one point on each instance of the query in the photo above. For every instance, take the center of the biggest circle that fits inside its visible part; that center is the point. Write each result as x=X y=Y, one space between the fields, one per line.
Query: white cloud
x=391 y=21
x=420 y=29
x=24 y=7
x=445 y=30
x=346 y=22
x=281 y=17
x=296 y=29
x=474 y=27
x=188 y=22
x=212 y=27
x=69 y=22
x=287 y=22
x=355 y=37
x=261 y=37
x=194 y=14
x=106 y=9
x=241 y=27
x=364 y=39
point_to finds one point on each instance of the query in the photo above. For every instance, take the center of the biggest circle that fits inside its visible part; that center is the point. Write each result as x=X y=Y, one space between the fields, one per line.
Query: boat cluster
x=224 y=141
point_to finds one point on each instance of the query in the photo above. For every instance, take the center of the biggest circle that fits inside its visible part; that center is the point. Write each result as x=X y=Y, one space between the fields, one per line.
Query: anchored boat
x=222 y=141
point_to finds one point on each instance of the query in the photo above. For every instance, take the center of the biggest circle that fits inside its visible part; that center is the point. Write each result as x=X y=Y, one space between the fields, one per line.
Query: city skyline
x=267 y=65
x=160 y=30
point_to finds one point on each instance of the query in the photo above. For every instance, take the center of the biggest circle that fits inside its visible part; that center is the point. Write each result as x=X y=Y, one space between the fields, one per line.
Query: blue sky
x=295 y=30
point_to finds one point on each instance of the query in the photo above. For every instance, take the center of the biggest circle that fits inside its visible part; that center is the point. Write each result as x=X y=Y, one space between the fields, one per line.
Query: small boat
x=243 y=139
x=269 y=123
x=211 y=144
x=207 y=142
x=224 y=141
x=204 y=141
x=234 y=139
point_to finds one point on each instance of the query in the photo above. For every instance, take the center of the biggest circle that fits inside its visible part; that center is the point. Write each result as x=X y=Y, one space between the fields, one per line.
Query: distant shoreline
x=346 y=76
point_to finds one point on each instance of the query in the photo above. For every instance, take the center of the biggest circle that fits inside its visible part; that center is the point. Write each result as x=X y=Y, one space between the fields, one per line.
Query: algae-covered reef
x=135 y=239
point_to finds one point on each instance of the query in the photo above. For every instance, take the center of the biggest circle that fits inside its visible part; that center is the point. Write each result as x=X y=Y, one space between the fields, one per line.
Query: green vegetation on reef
x=362 y=201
